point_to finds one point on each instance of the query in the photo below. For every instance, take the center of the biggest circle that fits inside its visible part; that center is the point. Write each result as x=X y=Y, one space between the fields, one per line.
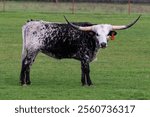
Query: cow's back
x=59 y=40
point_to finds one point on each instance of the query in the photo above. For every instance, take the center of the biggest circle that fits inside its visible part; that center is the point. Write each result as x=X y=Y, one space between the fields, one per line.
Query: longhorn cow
x=80 y=41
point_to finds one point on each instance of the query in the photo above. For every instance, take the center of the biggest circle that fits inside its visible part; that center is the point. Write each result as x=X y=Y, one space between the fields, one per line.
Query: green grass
x=122 y=70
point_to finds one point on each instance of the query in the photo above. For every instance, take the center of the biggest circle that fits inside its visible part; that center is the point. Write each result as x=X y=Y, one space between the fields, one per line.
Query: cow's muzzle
x=103 y=45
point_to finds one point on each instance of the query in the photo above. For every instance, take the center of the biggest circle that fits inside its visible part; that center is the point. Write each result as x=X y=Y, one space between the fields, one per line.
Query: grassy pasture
x=122 y=70
x=62 y=7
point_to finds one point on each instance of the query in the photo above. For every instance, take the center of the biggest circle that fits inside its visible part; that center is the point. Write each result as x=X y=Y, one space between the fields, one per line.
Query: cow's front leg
x=85 y=76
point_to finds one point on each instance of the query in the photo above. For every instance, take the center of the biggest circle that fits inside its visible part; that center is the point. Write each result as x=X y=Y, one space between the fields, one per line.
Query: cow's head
x=103 y=31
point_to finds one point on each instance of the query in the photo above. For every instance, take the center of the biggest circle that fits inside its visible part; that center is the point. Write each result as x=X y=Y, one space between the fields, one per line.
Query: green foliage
x=122 y=70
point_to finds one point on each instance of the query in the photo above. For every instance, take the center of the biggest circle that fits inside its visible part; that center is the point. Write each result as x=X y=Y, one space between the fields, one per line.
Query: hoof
x=24 y=85
x=28 y=83
x=21 y=83
x=83 y=84
x=89 y=84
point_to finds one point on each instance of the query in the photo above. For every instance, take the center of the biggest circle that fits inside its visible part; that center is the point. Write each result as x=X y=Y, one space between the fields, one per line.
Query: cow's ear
x=111 y=33
x=92 y=33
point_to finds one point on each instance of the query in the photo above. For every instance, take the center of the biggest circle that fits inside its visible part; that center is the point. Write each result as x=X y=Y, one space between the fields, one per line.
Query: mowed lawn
x=122 y=70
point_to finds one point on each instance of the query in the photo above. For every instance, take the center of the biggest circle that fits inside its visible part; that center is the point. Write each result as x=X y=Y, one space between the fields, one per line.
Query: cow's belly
x=60 y=52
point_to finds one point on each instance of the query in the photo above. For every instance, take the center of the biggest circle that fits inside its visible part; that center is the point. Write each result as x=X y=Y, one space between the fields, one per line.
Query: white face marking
x=102 y=32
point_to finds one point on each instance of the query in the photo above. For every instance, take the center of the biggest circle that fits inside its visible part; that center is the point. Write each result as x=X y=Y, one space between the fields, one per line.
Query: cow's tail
x=24 y=49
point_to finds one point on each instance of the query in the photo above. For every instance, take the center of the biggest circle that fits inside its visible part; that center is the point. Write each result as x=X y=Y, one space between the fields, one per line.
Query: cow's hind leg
x=25 y=68
x=85 y=77
x=22 y=73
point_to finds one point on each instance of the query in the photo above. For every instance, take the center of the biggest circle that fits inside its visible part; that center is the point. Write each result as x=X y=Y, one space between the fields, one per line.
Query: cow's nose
x=103 y=45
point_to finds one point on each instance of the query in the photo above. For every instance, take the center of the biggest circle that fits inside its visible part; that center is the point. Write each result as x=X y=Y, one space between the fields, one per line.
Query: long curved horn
x=126 y=26
x=87 y=28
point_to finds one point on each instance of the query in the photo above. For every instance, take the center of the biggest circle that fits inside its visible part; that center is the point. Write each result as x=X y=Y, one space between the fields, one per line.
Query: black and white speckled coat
x=60 y=41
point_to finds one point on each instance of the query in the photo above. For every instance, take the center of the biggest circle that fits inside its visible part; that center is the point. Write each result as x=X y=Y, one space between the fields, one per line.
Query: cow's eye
x=97 y=34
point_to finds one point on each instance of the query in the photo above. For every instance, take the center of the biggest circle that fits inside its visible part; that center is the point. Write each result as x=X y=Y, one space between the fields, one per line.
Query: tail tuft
x=24 y=50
